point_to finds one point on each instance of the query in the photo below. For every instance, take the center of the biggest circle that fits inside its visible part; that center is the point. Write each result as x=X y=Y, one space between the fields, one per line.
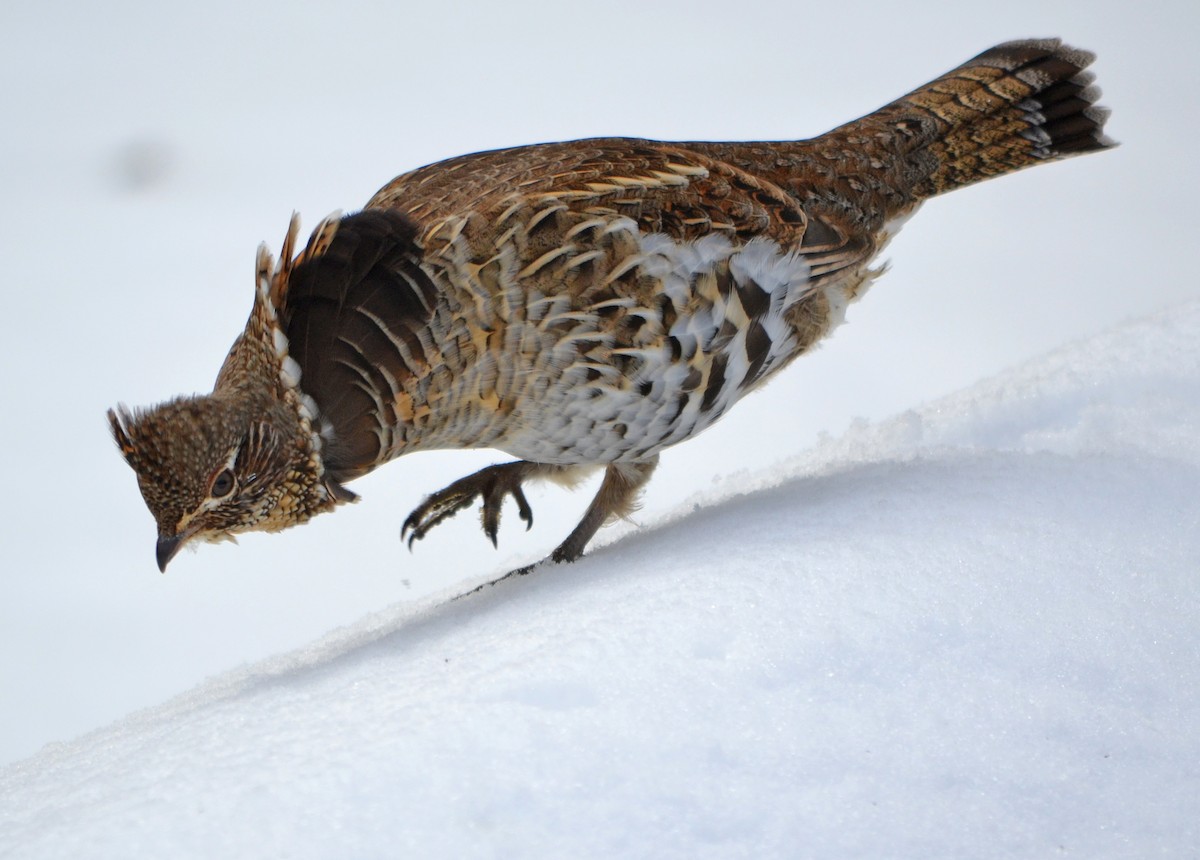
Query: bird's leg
x=616 y=498
x=491 y=485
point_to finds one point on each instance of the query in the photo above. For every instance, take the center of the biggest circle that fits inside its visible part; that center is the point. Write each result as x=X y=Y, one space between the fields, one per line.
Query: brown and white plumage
x=580 y=304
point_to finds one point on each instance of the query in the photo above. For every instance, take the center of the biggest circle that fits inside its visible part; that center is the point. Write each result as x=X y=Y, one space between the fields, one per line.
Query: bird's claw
x=491 y=485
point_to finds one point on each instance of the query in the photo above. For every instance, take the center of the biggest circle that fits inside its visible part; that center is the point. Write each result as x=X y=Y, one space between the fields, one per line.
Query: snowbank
x=971 y=631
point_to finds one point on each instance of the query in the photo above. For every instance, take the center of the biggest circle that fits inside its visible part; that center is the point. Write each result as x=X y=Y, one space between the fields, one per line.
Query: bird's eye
x=222 y=485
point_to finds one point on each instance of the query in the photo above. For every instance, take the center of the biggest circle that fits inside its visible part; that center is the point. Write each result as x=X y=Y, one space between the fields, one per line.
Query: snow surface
x=972 y=630
x=151 y=146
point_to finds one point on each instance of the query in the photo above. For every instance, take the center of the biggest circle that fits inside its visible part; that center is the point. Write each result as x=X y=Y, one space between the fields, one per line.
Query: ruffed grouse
x=578 y=305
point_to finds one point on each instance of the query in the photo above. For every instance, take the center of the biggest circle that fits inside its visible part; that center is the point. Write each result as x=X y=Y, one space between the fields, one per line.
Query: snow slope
x=970 y=631
x=151 y=146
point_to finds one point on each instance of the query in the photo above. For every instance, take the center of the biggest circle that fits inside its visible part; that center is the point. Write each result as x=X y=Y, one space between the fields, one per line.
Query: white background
x=149 y=147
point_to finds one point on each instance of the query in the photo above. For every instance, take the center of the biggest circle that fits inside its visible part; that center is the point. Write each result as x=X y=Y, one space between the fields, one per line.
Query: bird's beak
x=166 y=549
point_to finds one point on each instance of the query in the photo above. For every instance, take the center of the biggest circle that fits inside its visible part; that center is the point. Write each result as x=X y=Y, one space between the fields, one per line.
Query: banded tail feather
x=1013 y=106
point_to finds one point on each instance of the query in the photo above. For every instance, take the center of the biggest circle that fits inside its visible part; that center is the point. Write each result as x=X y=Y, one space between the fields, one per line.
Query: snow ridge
x=968 y=631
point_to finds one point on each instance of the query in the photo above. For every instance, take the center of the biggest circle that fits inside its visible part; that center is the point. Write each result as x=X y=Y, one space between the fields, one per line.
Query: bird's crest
x=272 y=277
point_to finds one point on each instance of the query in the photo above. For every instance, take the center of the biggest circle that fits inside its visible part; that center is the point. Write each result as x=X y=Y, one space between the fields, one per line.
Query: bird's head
x=212 y=467
x=247 y=457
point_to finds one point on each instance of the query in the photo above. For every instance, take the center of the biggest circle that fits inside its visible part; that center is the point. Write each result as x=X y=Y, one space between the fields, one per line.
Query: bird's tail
x=1013 y=106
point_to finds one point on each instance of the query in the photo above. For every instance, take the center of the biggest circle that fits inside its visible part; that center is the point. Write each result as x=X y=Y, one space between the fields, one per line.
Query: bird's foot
x=615 y=498
x=491 y=485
